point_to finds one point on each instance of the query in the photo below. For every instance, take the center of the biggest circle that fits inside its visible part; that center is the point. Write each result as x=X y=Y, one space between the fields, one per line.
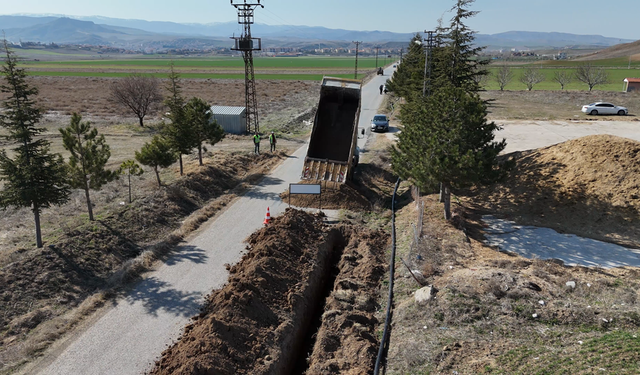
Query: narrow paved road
x=129 y=337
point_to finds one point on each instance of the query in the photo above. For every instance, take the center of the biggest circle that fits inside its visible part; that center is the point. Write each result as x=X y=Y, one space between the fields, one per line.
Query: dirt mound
x=334 y=197
x=265 y=318
x=241 y=325
x=589 y=186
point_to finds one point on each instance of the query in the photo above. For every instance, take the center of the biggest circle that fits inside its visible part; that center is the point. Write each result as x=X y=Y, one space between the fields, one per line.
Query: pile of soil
x=335 y=196
x=589 y=186
x=261 y=322
x=247 y=326
x=44 y=283
x=346 y=342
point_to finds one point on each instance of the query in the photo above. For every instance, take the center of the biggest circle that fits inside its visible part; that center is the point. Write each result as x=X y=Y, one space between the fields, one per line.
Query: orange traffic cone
x=267 y=218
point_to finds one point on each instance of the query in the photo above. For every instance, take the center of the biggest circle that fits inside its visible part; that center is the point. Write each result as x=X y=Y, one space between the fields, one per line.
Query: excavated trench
x=301 y=301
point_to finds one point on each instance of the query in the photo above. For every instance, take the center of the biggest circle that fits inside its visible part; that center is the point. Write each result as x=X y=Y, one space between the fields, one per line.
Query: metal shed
x=232 y=119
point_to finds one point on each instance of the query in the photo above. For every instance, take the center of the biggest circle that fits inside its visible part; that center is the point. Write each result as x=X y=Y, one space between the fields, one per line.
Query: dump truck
x=332 y=153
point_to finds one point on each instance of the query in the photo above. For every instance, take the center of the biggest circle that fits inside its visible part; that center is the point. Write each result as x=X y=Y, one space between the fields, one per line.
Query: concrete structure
x=631 y=84
x=232 y=119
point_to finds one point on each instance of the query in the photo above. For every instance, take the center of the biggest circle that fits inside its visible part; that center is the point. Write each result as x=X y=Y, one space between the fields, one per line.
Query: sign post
x=309 y=189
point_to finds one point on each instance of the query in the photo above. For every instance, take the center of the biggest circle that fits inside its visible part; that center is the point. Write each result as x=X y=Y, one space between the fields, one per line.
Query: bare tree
x=531 y=77
x=503 y=75
x=140 y=93
x=591 y=75
x=563 y=77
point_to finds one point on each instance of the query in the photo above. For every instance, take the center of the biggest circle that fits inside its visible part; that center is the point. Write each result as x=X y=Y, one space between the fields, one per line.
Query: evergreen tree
x=455 y=58
x=34 y=177
x=446 y=139
x=131 y=168
x=179 y=132
x=205 y=129
x=157 y=154
x=408 y=78
x=89 y=155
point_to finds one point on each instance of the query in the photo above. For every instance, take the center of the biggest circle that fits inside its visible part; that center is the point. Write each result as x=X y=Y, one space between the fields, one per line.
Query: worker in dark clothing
x=256 y=143
x=381 y=88
x=272 y=141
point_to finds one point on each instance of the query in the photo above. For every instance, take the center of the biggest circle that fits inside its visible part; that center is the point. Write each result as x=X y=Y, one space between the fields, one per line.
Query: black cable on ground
x=392 y=265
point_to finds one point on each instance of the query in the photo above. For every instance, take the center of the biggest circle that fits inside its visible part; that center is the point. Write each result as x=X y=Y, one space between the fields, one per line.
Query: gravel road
x=129 y=337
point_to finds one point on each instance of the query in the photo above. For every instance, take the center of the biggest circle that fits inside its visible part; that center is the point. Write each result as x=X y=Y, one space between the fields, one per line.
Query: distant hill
x=621 y=50
x=122 y=32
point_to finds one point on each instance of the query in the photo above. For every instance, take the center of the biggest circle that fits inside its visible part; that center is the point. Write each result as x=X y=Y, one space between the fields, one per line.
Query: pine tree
x=34 y=177
x=408 y=78
x=179 y=132
x=198 y=114
x=89 y=155
x=157 y=154
x=130 y=168
x=447 y=139
x=455 y=58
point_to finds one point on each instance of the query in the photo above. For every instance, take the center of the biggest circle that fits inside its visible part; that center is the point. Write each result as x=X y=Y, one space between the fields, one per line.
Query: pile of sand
x=589 y=186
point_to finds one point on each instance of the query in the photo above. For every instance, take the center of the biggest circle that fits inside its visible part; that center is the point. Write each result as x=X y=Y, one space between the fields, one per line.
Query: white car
x=602 y=108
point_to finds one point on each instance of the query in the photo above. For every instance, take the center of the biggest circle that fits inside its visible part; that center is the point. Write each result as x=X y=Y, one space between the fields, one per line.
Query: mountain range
x=130 y=32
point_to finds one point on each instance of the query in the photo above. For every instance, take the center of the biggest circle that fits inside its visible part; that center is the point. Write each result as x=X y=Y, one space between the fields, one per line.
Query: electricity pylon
x=246 y=44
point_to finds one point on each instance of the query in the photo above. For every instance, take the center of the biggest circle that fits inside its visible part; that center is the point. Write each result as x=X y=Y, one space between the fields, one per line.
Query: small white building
x=232 y=119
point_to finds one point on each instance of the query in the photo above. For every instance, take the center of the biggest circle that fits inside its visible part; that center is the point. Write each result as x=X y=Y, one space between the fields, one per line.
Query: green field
x=219 y=63
x=616 y=77
x=300 y=77
x=278 y=68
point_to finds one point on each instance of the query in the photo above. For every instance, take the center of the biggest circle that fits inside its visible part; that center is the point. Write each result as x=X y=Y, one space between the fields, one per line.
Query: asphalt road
x=131 y=335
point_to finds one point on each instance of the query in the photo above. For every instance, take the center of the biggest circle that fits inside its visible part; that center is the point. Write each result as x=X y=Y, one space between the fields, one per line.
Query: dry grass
x=495 y=313
x=556 y=105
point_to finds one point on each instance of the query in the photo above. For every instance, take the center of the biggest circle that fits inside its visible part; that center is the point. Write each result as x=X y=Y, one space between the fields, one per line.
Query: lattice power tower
x=246 y=44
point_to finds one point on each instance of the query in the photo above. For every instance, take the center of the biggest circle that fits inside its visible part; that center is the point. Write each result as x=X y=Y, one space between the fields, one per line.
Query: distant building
x=631 y=84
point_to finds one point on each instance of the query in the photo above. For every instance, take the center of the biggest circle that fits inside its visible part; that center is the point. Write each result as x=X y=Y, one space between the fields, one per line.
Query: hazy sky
x=572 y=16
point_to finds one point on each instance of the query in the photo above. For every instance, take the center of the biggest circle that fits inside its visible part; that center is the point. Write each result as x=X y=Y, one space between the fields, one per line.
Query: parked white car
x=602 y=108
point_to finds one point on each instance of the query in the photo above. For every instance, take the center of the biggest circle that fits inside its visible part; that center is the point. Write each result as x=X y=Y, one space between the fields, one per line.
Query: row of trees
x=446 y=139
x=36 y=178
x=586 y=73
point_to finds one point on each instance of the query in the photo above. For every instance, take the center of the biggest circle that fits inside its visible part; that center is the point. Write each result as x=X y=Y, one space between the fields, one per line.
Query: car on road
x=380 y=122
x=603 y=108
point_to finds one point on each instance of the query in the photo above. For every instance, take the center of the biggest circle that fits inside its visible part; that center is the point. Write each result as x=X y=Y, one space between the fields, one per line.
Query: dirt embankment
x=259 y=323
x=42 y=284
x=588 y=186
x=492 y=312
x=334 y=196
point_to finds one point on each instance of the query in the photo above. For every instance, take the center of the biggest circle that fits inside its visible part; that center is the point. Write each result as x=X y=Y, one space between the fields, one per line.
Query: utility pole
x=377 y=49
x=357 y=45
x=427 y=63
x=401 y=50
x=246 y=44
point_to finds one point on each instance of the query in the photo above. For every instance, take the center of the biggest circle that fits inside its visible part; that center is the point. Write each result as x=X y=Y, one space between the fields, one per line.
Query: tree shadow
x=185 y=253
x=156 y=296
x=259 y=192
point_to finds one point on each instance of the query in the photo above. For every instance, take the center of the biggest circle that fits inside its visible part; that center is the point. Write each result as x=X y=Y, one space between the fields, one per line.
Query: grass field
x=276 y=68
x=293 y=76
x=616 y=77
